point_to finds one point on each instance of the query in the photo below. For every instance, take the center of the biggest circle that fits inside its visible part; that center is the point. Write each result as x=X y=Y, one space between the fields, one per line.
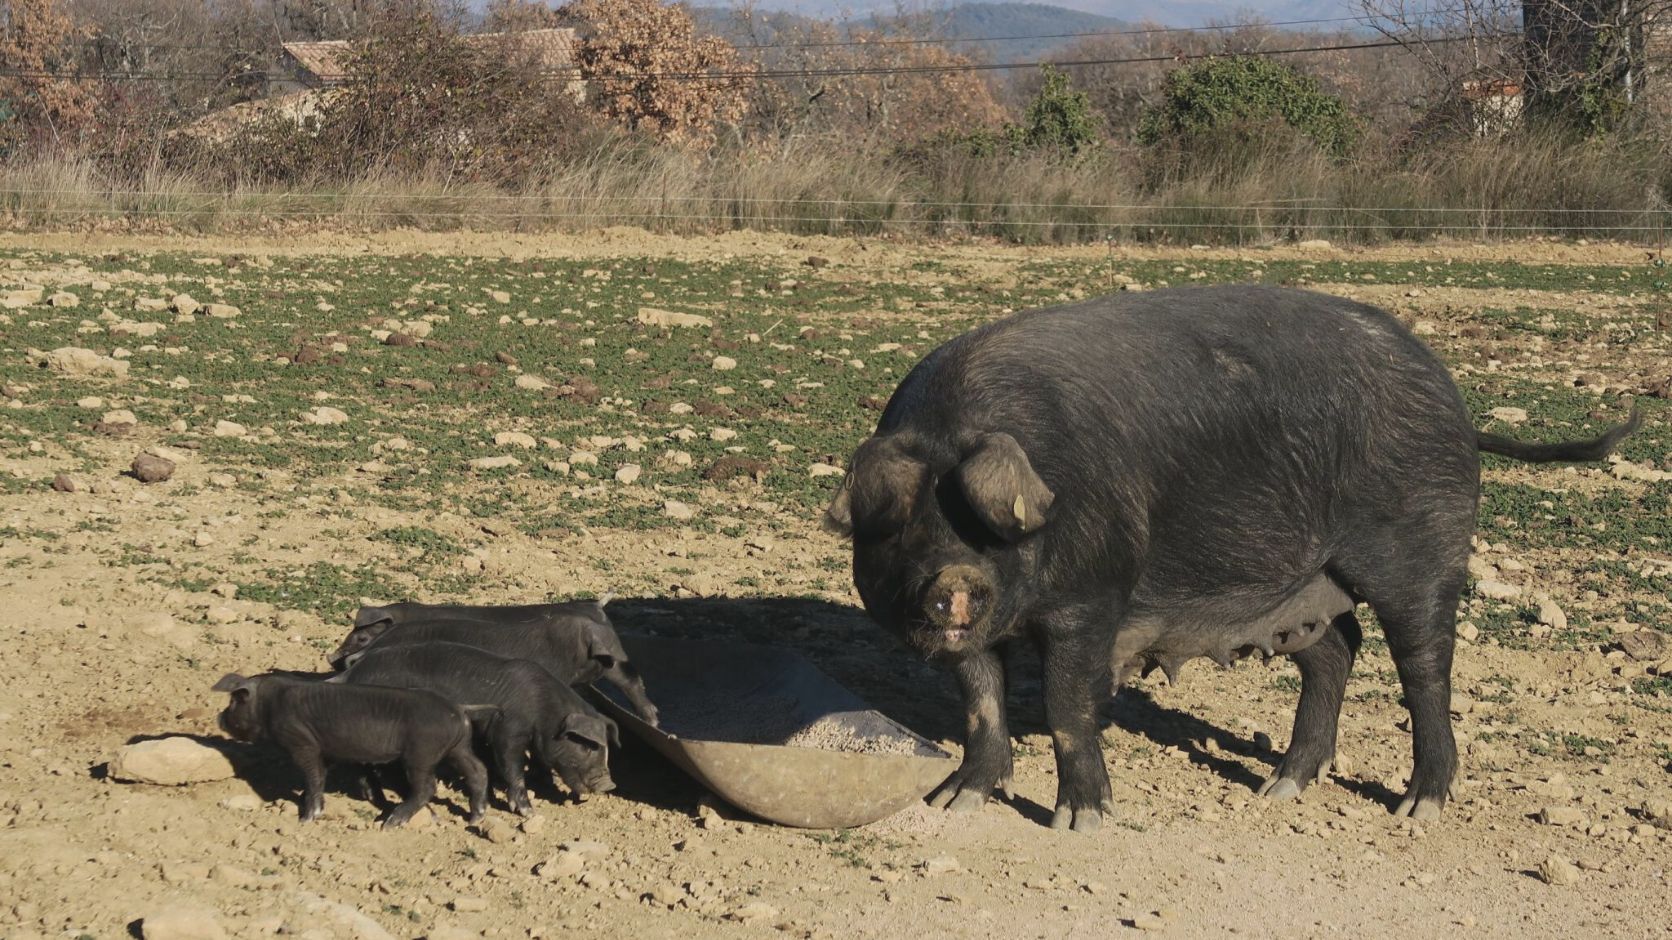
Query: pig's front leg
x=624 y=677
x=987 y=762
x=1076 y=666
x=312 y=764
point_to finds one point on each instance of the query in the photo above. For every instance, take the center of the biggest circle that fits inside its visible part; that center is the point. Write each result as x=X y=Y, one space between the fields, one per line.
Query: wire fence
x=1024 y=221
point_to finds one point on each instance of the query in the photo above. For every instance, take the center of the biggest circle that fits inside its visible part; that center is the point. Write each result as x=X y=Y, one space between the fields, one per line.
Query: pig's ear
x=879 y=492
x=613 y=732
x=370 y=615
x=587 y=731
x=1002 y=487
x=603 y=646
x=228 y=682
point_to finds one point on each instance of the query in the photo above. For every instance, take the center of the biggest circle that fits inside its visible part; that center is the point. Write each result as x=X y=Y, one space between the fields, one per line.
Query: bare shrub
x=417 y=99
x=44 y=99
x=646 y=68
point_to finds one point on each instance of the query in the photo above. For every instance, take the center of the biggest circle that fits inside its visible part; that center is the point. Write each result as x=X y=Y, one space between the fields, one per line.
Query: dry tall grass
x=1237 y=192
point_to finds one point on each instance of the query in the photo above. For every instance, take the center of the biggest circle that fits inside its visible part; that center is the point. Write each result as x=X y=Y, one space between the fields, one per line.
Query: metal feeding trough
x=772 y=735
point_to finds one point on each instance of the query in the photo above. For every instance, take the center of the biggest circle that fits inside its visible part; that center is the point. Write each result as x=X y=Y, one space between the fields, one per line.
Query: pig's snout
x=955 y=603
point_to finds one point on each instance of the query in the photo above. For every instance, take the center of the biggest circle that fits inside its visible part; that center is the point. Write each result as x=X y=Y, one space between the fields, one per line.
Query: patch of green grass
x=329 y=590
x=430 y=545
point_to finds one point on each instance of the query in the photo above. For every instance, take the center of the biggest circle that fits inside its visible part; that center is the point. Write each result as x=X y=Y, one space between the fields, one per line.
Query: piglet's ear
x=879 y=492
x=603 y=646
x=1001 y=486
x=587 y=730
x=229 y=682
x=370 y=615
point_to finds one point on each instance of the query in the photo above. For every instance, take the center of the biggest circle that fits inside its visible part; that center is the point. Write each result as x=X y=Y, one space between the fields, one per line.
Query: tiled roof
x=551 y=49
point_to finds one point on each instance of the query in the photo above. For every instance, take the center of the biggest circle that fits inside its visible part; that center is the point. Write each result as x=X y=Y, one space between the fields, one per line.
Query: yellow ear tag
x=1020 y=508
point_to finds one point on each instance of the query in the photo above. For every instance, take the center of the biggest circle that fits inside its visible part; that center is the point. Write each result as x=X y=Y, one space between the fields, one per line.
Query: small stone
x=1461 y=704
x=753 y=911
x=400 y=340
x=1558 y=871
x=1552 y=615
x=242 y=803
x=1561 y=816
x=499 y=296
x=181 y=873
x=1509 y=415
x=230 y=875
x=181 y=922
x=223 y=480
x=222 y=311
x=1645 y=645
x=666 y=894
x=722 y=435
x=184 y=305
x=498 y=831
x=221 y=613
x=651 y=316
x=824 y=470
x=533 y=383
x=515 y=439
x=148 y=468
x=939 y=865
x=64 y=299
x=585 y=848
x=64 y=483
x=465 y=904
x=1658 y=812
x=76 y=362
x=724 y=363
x=1497 y=590
x=1150 y=920
x=1313 y=244
x=495 y=463
x=561 y=866
x=1468 y=632
x=170 y=762
x=324 y=415
x=682 y=512
x=230 y=429
x=628 y=474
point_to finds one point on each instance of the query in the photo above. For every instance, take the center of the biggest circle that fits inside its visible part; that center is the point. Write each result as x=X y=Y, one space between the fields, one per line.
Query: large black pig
x=1137 y=480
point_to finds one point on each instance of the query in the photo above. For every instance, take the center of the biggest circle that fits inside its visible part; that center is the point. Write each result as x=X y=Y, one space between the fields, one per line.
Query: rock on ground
x=76 y=362
x=149 y=468
x=181 y=922
x=170 y=762
x=651 y=316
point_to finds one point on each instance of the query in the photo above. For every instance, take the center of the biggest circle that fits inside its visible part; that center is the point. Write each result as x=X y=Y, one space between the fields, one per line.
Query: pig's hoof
x=1426 y=809
x=1086 y=819
x=957 y=799
x=1279 y=788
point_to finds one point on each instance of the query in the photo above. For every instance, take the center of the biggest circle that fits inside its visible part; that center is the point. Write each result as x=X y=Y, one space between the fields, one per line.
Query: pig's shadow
x=846 y=645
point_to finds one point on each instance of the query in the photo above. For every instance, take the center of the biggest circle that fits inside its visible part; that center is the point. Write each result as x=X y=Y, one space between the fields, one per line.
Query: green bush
x=1241 y=92
x=1058 y=120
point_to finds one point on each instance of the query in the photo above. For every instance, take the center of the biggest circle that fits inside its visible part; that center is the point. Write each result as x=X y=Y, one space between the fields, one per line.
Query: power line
x=1365 y=19
x=840 y=72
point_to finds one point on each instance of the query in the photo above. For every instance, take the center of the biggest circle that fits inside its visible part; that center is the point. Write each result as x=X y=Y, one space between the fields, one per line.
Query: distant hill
x=974 y=21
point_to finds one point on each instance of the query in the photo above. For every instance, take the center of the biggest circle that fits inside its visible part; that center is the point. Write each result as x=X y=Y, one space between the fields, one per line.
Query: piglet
x=533 y=710
x=574 y=640
x=367 y=725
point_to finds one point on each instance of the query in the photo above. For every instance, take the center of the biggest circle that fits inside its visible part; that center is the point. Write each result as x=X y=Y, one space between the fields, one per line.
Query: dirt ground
x=1565 y=739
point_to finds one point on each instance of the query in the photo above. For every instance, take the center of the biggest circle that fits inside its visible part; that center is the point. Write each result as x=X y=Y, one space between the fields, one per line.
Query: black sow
x=1133 y=481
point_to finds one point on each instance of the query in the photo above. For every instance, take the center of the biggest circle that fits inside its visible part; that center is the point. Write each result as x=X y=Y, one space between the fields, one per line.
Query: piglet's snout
x=957 y=600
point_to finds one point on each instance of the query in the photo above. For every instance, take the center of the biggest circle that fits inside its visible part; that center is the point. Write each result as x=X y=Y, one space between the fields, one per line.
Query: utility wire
x=720 y=76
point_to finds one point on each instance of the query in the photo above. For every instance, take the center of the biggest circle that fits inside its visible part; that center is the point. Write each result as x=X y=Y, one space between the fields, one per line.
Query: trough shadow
x=843 y=642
